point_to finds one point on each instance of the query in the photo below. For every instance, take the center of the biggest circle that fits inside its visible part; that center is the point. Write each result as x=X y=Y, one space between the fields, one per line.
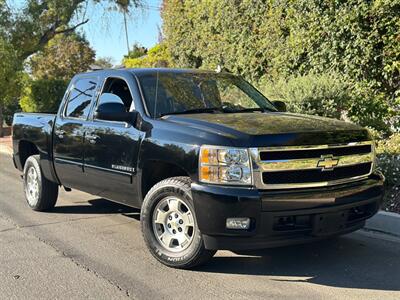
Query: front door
x=111 y=152
x=68 y=135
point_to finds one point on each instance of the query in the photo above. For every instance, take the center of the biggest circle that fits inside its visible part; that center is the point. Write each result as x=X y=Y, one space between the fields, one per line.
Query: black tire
x=195 y=254
x=45 y=197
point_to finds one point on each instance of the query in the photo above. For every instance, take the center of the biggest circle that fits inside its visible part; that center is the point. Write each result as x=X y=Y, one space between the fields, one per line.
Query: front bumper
x=283 y=217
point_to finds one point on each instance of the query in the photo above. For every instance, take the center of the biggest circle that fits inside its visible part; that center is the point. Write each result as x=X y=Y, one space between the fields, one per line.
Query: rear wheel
x=169 y=225
x=40 y=193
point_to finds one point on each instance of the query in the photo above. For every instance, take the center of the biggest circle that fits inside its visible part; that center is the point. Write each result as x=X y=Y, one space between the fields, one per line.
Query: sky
x=106 y=32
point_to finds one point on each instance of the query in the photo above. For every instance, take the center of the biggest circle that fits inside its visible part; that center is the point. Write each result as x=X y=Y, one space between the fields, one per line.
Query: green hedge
x=330 y=95
x=43 y=95
x=281 y=40
x=388 y=154
x=157 y=56
x=324 y=95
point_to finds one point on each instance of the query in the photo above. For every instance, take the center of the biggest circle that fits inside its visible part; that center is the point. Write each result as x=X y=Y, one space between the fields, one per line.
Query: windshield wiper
x=194 y=111
x=227 y=110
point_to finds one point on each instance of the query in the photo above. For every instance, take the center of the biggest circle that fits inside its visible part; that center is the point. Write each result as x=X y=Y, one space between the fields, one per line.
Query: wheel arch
x=25 y=150
x=154 y=171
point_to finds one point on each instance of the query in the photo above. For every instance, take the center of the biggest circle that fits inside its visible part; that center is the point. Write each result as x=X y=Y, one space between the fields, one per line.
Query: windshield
x=175 y=93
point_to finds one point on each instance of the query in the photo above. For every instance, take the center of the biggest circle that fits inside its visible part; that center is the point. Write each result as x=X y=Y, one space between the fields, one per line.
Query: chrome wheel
x=32 y=186
x=173 y=224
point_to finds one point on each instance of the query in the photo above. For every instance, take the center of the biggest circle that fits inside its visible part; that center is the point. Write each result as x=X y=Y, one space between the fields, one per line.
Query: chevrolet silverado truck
x=210 y=161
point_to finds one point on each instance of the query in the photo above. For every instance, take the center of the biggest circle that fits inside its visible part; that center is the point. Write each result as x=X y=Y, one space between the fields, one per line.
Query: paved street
x=92 y=248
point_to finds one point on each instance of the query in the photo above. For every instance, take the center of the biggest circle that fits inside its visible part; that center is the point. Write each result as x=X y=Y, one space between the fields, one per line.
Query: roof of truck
x=144 y=71
x=167 y=70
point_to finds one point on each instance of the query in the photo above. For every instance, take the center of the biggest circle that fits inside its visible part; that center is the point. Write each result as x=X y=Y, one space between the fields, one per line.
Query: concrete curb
x=386 y=222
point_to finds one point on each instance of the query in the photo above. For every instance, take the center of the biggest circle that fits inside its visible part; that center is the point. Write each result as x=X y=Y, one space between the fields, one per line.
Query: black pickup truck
x=211 y=163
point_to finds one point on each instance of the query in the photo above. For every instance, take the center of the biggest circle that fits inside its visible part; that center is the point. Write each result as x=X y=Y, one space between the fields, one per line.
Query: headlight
x=222 y=165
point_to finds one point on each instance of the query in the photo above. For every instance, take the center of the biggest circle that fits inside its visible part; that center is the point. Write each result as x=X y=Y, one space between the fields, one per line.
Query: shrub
x=330 y=95
x=279 y=39
x=324 y=94
x=388 y=158
x=43 y=95
x=370 y=108
x=9 y=109
x=158 y=56
x=388 y=153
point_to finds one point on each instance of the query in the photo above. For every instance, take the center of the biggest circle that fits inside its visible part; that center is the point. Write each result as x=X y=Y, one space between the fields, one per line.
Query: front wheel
x=169 y=225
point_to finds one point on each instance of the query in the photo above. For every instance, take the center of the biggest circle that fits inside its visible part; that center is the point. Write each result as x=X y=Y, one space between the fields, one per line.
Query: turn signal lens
x=209 y=173
x=209 y=156
x=222 y=165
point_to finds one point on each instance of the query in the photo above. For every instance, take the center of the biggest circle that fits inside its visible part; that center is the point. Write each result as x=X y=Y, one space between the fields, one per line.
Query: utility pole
x=126 y=32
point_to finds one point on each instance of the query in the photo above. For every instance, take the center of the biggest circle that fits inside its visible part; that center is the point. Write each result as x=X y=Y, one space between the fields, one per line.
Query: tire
x=168 y=208
x=40 y=193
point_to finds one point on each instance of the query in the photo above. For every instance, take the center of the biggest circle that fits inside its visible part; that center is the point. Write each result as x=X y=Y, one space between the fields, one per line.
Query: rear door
x=68 y=135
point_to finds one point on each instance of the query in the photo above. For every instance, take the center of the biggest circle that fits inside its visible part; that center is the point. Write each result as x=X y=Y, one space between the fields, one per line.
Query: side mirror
x=280 y=105
x=112 y=109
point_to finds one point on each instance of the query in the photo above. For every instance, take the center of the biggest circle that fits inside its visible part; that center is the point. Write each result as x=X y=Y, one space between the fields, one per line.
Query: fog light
x=238 y=223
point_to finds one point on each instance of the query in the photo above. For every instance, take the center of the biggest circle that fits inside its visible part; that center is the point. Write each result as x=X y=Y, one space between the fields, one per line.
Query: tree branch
x=71 y=28
x=49 y=34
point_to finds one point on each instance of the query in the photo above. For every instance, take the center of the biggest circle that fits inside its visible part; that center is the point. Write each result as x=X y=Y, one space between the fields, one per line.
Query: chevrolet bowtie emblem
x=327 y=162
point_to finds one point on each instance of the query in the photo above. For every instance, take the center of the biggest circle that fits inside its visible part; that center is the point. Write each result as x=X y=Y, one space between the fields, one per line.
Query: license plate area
x=329 y=223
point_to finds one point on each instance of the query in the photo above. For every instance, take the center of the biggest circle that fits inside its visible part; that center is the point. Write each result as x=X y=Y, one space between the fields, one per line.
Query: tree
x=157 y=56
x=8 y=65
x=136 y=52
x=43 y=95
x=52 y=68
x=104 y=62
x=63 y=57
x=9 y=68
x=28 y=30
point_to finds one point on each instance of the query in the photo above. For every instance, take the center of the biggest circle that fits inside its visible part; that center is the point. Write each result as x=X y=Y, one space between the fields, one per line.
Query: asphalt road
x=91 y=248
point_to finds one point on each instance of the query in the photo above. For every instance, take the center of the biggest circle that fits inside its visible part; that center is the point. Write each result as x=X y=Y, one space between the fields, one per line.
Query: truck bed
x=34 y=129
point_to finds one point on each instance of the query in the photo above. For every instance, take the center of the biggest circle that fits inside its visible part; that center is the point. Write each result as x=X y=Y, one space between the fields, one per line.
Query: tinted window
x=80 y=97
x=179 y=92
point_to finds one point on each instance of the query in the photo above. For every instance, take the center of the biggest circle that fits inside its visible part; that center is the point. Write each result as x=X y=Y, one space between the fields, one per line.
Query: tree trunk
x=1 y=120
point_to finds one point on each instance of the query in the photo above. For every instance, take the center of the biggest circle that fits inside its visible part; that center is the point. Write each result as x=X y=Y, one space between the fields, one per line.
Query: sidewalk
x=385 y=222
x=6 y=145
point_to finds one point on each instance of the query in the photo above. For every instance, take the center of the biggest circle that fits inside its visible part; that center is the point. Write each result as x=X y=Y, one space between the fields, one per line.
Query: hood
x=273 y=128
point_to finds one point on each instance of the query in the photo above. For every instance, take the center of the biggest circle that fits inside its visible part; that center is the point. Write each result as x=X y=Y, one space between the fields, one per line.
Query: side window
x=109 y=99
x=80 y=97
x=120 y=88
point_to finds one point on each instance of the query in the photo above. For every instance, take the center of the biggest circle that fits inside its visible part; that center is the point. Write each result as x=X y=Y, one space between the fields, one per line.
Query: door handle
x=60 y=133
x=92 y=138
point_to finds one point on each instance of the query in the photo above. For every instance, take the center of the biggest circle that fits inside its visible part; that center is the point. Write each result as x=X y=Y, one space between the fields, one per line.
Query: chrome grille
x=311 y=166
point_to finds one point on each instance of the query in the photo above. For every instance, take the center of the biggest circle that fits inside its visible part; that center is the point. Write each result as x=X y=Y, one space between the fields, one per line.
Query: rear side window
x=80 y=97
